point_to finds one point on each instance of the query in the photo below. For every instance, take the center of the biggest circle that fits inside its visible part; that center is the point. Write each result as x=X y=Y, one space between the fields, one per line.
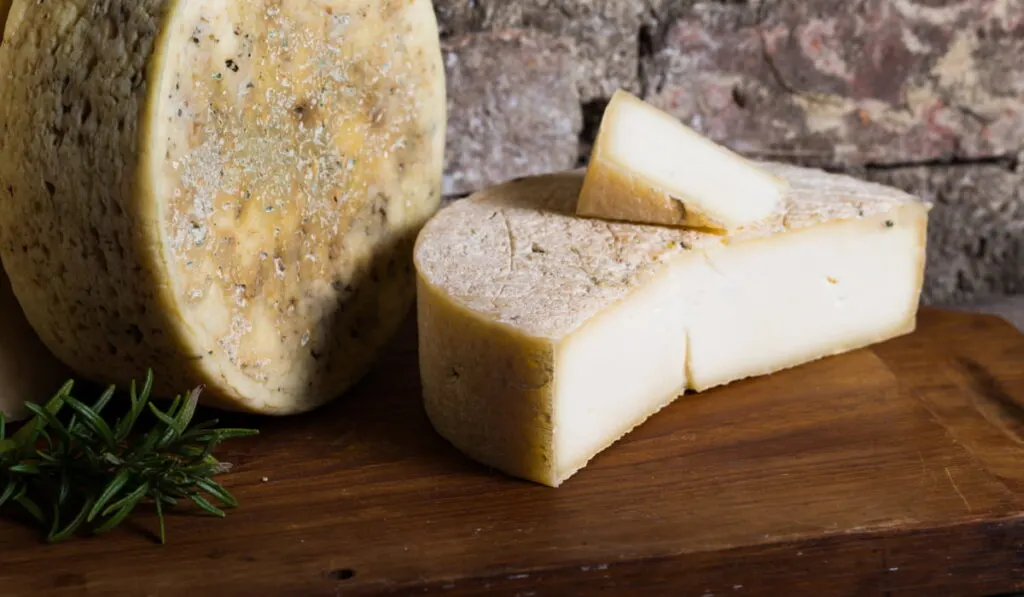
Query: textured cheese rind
x=537 y=268
x=28 y=370
x=225 y=191
x=519 y=373
x=648 y=168
x=529 y=264
x=511 y=271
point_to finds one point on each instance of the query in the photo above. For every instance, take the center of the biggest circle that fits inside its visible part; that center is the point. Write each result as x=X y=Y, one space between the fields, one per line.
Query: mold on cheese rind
x=636 y=315
x=226 y=191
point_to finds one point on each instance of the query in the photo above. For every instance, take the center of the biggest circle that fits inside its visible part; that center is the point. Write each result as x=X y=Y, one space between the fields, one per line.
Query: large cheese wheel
x=226 y=191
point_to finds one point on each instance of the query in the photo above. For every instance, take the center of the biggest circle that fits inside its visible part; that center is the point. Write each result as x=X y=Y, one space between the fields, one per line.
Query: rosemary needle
x=71 y=469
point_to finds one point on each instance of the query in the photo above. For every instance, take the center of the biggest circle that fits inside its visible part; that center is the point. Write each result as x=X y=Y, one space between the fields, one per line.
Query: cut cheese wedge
x=28 y=370
x=649 y=168
x=226 y=191
x=545 y=337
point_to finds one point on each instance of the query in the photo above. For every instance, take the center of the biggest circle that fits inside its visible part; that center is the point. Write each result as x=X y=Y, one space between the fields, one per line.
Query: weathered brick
x=513 y=108
x=605 y=32
x=976 y=228
x=826 y=82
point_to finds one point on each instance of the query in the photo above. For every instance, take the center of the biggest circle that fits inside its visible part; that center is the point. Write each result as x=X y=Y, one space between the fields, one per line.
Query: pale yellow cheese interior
x=598 y=388
x=760 y=306
x=545 y=337
x=648 y=168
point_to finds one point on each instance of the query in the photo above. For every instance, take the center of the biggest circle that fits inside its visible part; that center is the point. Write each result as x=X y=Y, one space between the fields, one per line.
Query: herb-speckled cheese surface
x=225 y=191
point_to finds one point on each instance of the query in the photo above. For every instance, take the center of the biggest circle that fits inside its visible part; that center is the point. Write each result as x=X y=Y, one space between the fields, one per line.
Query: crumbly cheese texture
x=225 y=191
x=545 y=337
x=648 y=168
x=28 y=370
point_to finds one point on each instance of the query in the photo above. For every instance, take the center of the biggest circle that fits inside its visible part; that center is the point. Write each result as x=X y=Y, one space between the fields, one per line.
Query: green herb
x=82 y=472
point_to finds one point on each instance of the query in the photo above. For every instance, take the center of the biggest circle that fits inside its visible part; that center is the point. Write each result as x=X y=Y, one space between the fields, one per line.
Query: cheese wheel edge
x=146 y=324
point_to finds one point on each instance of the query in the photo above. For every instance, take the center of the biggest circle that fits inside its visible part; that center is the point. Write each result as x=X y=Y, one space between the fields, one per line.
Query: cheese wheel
x=545 y=337
x=226 y=191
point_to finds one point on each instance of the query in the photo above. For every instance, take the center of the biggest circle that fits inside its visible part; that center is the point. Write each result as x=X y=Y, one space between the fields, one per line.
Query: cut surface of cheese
x=28 y=370
x=545 y=337
x=225 y=191
x=648 y=168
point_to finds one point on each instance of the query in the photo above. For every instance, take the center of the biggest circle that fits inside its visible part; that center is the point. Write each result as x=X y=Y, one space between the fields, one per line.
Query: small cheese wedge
x=28 y=370
x=648 y=168
x=227 y=191
x=545 y=337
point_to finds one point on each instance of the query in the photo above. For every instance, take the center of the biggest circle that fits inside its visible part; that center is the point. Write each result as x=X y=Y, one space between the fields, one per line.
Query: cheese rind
x=648 y=168
x=545 y=337
x=28 y=370
x=226 y=191
x=519 y=372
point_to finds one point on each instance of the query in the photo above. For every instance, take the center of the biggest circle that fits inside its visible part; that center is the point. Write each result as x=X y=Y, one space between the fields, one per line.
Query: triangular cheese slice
x=649 y=168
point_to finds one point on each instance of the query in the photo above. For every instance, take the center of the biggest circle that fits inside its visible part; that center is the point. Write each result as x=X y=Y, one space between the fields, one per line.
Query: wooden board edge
x=985 y=558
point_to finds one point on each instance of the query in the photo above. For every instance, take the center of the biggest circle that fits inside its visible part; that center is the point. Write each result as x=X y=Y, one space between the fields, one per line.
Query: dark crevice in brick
x=593 y=112
x=832 y=163
x=650 y=40
x=773 y=68
x=645 y=53
x=449 y=199
x=452 y=22
x=1011 y=162
x=762 y=12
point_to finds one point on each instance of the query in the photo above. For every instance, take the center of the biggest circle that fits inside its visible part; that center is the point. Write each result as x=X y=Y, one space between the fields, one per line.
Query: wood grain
x=891 y=471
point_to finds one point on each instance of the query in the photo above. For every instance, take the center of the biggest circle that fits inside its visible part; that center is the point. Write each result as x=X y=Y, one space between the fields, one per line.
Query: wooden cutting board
x=897 y=470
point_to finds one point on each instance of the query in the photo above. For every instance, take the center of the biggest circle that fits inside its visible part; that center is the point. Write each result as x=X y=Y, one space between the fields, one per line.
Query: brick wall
x=927 y=95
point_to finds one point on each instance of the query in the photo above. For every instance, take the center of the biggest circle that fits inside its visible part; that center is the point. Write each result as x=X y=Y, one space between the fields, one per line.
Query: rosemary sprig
x=78 y=472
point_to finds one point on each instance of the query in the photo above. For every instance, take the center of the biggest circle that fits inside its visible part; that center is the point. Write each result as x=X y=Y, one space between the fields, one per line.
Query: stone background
x=927 y=95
